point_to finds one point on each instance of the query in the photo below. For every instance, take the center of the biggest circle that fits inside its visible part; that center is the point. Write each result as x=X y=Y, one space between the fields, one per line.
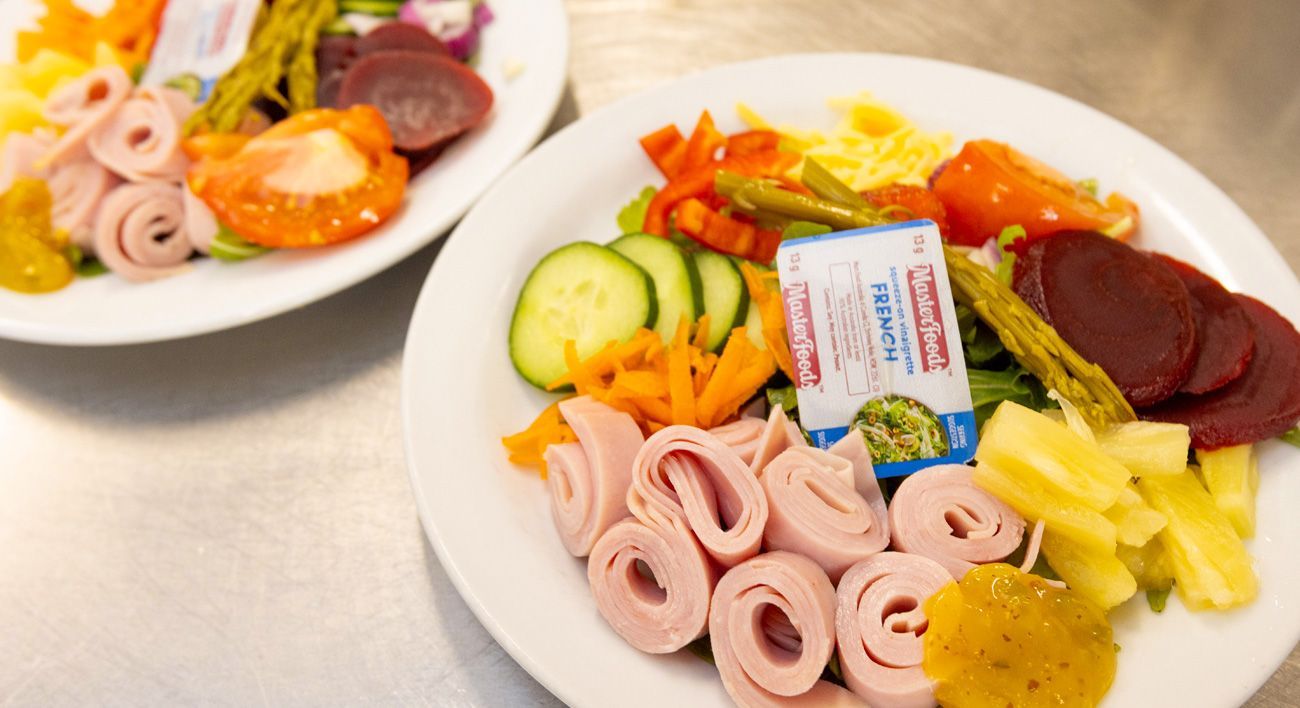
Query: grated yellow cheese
x=871 y=146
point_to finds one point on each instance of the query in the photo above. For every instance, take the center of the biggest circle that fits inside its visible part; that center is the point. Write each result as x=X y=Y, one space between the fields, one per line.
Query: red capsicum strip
x=752 y=141
x=699 y=183
x=667 y=149
x=726 y=235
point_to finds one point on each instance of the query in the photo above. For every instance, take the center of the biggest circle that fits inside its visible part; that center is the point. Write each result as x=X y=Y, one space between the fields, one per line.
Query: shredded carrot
x=681 y=388
x=528 y=446
x=772 y=314
x=128 y=28
x=657 y=383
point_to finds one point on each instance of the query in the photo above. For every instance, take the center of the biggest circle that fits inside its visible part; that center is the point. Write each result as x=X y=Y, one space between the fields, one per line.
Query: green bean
x=749 y=194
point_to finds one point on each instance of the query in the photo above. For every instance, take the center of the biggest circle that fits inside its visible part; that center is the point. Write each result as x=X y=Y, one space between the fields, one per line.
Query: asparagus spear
x=1030 y=340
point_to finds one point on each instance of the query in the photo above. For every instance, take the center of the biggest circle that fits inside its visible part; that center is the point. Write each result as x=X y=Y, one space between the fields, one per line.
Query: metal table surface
x=226 y=519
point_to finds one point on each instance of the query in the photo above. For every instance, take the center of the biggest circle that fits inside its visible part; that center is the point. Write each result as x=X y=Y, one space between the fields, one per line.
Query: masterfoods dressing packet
x=874 y=344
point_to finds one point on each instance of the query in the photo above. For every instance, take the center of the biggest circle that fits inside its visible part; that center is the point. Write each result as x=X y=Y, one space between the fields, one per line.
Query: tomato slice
x=316 y=178
x=919 y=201
x=990 y=185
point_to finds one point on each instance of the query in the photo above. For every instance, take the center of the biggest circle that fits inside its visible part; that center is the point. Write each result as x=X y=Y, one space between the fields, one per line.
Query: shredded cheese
x=872 y=145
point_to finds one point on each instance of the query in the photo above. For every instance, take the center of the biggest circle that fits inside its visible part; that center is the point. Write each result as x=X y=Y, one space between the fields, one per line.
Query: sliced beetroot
x=1224 y=338
x=427 y=99
x=394 y=36
x=1263 y=402
x=1126 y=312
x=334 y=54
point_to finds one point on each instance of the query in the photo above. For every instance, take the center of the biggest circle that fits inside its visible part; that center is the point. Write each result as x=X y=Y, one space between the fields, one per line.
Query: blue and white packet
x=874 y=343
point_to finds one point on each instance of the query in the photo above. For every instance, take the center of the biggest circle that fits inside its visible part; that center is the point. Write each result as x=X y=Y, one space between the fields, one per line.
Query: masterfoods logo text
x=929 y=319
x=803 y=342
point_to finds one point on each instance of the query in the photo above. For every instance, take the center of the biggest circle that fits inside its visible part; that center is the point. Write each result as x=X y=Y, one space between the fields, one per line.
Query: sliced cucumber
x=677 y=283
x=584 y=292
x=726 y=300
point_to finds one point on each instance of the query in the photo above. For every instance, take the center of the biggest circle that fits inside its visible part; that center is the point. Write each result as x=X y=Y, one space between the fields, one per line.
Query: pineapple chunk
x=1060 y=515
x=1231 y=475
x=1147 y=448
x=1098 y=576
x=1210 y=563
x=1029 y=446
x=1135 y=521
x=1148 y=563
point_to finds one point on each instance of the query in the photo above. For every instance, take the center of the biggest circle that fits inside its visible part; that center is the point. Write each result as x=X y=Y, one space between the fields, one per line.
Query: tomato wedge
x=990 y=185
x=319 y=177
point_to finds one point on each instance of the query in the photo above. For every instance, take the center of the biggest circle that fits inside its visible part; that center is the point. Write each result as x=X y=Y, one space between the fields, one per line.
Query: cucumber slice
x=677 y=283
x=726 y=300
x=584 y=292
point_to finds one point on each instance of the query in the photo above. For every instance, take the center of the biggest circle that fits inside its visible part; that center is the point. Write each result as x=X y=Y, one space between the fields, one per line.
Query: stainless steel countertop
x=226 y=520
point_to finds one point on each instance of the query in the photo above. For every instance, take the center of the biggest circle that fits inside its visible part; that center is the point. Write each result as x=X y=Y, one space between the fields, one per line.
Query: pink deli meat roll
x=879 y=624
x=77 y=188
x=816 y=512
x=939 y=513
x=81 y=106
x=140 y=231
x=19 y=156
x=759 y=441
x=141 y=139
x=658 y=614
x=853 y=447
x=772 y=628
x=589 y=479
x=687 y=472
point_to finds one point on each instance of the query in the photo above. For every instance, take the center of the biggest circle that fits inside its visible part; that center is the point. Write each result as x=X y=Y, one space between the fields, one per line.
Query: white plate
x=216 y=295
x=489 y=521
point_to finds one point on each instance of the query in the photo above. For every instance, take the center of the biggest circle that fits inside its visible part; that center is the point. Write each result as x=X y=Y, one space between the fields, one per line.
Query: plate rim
x=30 y=332
x=425 y=301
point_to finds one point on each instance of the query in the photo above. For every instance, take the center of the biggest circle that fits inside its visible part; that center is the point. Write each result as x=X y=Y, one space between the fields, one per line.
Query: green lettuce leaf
x=631 y=218
x=1291 y=436
x=990 y=388
x=230 y=246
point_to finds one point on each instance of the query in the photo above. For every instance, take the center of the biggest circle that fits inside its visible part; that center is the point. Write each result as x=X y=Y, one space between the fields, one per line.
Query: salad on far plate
x=135 y=141
x=865 y=418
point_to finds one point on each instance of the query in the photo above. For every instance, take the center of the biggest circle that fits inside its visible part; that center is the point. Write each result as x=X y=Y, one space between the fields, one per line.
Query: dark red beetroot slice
x=1127 y=313
x=394 y=36
x=1224 y=338
x=1263 y=402
x=426 y=99
x=334 y=54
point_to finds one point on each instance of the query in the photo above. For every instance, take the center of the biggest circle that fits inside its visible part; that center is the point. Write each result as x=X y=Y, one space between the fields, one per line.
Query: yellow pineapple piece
x=1149 y=564
x=1029 y=446
x=1231 y=475
x=1147 y=448
x=1060 y=515
x=1135 y=521
x=1210 y=563
x=1097 y=575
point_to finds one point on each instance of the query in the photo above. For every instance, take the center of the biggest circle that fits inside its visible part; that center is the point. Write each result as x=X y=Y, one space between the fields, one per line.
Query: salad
x=1119 y=396
x=132 y=144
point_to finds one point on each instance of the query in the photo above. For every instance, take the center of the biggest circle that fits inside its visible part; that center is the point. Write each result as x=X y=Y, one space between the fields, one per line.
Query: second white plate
x=533 y=34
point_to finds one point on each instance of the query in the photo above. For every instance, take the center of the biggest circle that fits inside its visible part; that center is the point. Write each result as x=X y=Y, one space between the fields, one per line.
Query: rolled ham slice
x=816 y=512
x=879 y=624
x=661 y=613
x=81 y=106
x=141 y=139
x=200 y=223
x=939 y=513
x=77 y=189
x=759 y=441
x=853 y=447
x=686 y=472
x=589 y=479
x=772 y=627
x=140 y=231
